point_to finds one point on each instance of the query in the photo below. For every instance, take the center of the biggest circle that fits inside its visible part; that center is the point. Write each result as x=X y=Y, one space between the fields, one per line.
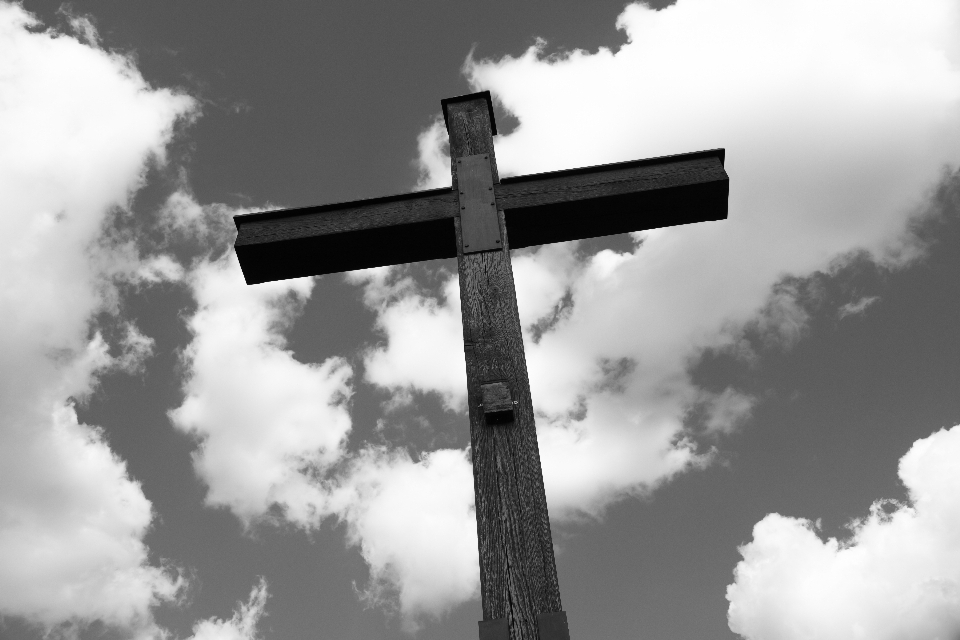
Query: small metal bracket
x=479 y=224
x=497 y=402
x=494 y=629
x=553 y=626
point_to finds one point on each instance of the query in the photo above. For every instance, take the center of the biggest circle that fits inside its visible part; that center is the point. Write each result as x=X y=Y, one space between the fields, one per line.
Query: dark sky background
x=312 y=102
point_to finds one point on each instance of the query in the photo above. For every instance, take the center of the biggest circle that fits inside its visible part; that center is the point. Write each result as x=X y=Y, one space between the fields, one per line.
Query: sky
x=748 y=428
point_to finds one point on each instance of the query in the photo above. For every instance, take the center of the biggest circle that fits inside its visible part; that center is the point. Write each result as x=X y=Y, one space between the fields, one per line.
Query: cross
x=478 y=220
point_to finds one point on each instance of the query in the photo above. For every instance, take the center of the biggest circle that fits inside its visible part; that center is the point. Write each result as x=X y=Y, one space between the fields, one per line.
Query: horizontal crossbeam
x=540 y=209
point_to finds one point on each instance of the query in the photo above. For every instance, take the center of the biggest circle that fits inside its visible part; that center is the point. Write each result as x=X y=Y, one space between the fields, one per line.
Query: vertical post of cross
x=518 y=575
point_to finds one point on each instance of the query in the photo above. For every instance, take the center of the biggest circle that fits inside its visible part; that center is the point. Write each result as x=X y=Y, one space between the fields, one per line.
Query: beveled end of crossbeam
x=481 y=95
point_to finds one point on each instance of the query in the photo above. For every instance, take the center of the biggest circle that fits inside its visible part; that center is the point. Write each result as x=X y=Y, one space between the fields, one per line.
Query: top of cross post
x=480 y=95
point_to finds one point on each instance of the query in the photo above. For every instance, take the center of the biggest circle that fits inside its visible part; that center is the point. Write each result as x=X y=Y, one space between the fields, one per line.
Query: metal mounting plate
x=479 y=225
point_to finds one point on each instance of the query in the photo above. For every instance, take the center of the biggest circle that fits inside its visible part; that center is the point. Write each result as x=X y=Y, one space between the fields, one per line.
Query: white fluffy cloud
x=243 y=624
x=414 y=523
x=837 y=118
x=265 y=423
x=272 y=434
x=897 y=576
x=78 y=128
x=406 y=316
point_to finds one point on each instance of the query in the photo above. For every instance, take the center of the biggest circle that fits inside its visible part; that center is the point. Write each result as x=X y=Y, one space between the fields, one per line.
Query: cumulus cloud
x=415 y=525
x=433 y=159
x=243 y=624
x=265 y=423
x=837 y=117
x=210 y=226
x=272 y=434
x=78 y=128
x=71 y=547
x=405 y=316
x=897 y=576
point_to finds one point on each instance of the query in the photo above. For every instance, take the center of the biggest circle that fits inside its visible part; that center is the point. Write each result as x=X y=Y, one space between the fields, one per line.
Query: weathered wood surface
x=290 y=243
x=518 y=575
x=615 y=198
x=541 y=208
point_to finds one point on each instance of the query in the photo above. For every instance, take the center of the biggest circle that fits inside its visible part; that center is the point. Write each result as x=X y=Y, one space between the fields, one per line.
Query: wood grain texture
x=518 y=574
x=343 y=217
x=277 y=245
x=604 y=200
x=543 y=208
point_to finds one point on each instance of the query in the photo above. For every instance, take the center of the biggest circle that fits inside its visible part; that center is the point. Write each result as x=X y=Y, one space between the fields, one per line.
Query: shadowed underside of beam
x=540 y=209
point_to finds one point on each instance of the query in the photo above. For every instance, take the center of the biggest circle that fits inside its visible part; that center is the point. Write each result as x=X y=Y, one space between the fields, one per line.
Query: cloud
x=433 y=157
x=265 y=423
x=838 y=118
x=136 y=349
x=415 y=525
x=897 y=576
x=406 y=316
x=71 y=547
x=858 y=307
x=271 y=446
x=243 y=624
x=726 y=410
x=209 y=226
x=78 y=129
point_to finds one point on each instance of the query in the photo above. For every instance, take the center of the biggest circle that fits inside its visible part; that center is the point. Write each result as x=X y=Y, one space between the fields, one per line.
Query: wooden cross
x=478 y=220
